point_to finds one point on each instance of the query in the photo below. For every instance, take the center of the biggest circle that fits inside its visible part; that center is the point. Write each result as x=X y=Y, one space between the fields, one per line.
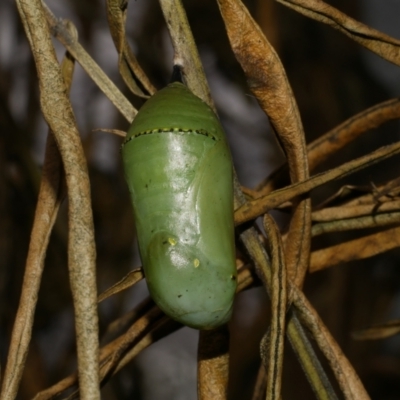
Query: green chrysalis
x=179 y=172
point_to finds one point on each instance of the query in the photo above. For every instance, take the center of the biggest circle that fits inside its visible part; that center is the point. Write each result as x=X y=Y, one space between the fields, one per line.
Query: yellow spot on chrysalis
x=172 y=241
x=196 y=262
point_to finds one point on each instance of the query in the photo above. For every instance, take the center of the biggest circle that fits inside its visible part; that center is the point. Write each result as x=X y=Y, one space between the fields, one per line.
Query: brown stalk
x=58 y=113
x=388 y=192
x=213 y=364
x=51 y=194
x=370 y=195
x=62 y=31
x=272 y=344
x=356 y=249
x=49 y=200
x=369 y=221
x=261 y=384
x=304 y=350
x=110 y=354
x=160 y=329
x=185 y=50
x=350 y=211
x=245 y=279
x=378 y=42
x=347 y=378
x=55 y=390
x=142 y=318
x=381 y=331
x=307 y=357
x=116 y=350
x=255 y=208
x=129 y=67
x=267 y=80
x=336 y=139
x=120 y=325
x=126 y=282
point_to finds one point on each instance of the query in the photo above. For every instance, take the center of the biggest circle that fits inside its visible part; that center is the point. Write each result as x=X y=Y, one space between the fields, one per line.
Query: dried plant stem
x=308 y=358
x=261 y=384
x=272 y=344
x=369 y=221
x=311 y=365
x=112 y=353
x=65 y=32
x=253 y=52
x=213 y=364
x=356 y=249
x=383 y=198
x=350 y=211
x=344 y=372
x=58 y=113
x=55 y=390
x=299 y=341
x=185 y=50
x=378 y=42
x=336 y=139
x=129 y=68
x=49 y=200
x=163 y=328
x=381 y=331
x=122 y=323
x=160 y=329
x=268 y=81
x=255 y=208
x=126 y=282
x=348 y=380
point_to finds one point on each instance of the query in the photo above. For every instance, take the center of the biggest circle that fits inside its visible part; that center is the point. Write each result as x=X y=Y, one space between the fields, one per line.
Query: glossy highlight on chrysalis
x=179 y=172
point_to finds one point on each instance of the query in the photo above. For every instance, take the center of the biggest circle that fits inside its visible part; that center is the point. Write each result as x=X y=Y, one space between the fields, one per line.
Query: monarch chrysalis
x=179 y=172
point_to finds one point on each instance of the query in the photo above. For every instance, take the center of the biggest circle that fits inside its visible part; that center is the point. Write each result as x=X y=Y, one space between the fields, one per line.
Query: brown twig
x=255 y=208
x=348 y=380
x=126 y=282
x=381 y=331
x=61 y=29
x=129 y=67
x=346 y=376
x=336 y=139
x=356 y=249
x=267 y=80
x=378 y=42
x=58 y=113
x=350 y=211
x=261 y=384
x=49 y=200
x=369 y=221
x=272 y=344
x=213 y=364
x=185 y=50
